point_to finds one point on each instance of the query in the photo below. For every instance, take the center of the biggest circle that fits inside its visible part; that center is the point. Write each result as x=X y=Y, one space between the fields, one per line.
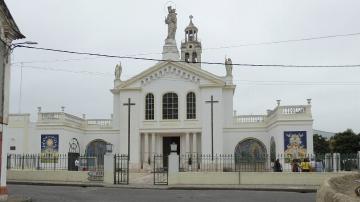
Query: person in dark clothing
x=295 y=166
x=277 y=166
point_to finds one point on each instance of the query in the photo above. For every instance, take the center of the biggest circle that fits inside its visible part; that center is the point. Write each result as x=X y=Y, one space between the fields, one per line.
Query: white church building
x=172 y=104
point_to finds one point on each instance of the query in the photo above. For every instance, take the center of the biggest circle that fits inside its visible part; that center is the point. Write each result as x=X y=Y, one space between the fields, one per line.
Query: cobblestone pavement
x=89 y=194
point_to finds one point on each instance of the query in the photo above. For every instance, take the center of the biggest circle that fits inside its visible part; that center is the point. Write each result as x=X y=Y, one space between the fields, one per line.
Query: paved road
x=89 y=194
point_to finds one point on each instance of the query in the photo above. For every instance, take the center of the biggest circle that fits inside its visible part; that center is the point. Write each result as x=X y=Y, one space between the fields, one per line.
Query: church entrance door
x=167 y=141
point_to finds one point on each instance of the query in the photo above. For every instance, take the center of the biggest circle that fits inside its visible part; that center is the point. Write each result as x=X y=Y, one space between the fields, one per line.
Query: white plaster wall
x=278 y=129
x=170 y=83
x=15 y=137
x=228 y=107
x=217 y=120
x=116 y=110
x=135 y=117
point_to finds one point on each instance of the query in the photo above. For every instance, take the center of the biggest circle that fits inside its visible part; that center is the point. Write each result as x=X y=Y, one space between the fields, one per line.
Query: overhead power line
x=179 y=61
x=240 y=82
x=286 y=41
x=215 y=48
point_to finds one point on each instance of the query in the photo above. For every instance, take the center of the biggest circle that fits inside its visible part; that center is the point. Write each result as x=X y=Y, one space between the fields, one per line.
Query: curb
x=55 y=184
x=298 y=189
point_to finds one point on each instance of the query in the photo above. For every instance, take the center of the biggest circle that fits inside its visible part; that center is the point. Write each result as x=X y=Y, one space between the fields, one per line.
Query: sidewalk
x=287 y=188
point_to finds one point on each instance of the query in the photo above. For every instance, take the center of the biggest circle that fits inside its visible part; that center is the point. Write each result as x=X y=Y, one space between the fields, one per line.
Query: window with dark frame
x=191 y=106
x=12 y=148
x=149 y=107
x=170 y=106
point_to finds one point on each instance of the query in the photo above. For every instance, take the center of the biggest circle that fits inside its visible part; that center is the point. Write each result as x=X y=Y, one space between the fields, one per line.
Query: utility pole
x=212 y=101
x=129 y=104
x=21 y=78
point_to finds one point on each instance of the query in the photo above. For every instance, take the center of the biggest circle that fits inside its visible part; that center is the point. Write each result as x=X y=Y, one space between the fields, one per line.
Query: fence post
x=38 y=161
x=22 y=161
x=328 y=162
x=336 y=162
x=358 y=161
x=109 y=171
x=173 y=161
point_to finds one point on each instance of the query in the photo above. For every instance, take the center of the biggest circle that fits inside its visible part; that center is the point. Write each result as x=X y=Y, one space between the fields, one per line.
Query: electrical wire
x=216 y=48
x=180 y=61
x=240 y=82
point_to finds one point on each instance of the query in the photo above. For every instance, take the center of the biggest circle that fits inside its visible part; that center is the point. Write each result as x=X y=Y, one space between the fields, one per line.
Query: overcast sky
x=129 y=27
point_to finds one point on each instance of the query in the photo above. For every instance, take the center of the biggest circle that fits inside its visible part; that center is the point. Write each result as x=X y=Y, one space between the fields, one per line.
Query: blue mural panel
x=295 y=145
x=49 y=143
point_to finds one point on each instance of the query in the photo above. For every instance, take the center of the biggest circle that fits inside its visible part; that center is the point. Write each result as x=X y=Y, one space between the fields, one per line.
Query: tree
x=346 y=142
x=321 y=144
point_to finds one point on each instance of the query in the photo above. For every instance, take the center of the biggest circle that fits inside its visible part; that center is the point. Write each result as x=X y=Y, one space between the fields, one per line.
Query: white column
x=146 y=148
x=194 y=143
x=187 y=143
x=158 y=144
x=152 y=146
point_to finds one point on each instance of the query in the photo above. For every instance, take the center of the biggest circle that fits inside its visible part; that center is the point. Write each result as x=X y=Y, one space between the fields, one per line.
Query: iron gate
x=121 y=169
x=160 y=170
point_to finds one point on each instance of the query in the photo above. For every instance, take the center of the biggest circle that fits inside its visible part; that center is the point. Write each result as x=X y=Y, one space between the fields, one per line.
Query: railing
x=292 y=109
x=74 y=121
x=280 y=112
x=50 y=116
x=249 y=118
x=102 y=123
x=264 y=163
x=54 y=162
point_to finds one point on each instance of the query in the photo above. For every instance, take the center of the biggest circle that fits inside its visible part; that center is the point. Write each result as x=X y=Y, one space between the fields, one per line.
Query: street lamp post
x=15 y=45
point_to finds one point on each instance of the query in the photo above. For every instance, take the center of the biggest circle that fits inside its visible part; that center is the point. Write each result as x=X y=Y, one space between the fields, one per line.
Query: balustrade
x=293 y=109
x=249 y=118
x=74 y=120
x=279 y=112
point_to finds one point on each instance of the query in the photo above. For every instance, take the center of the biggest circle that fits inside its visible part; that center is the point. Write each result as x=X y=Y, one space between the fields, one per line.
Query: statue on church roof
x=228 y=66
x=118 y=70
x=171 y=21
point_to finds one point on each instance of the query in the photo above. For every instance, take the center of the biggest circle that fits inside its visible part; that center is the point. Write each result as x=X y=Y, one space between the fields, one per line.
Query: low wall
x=46 y=175
x=250 y=178
x=339 y=189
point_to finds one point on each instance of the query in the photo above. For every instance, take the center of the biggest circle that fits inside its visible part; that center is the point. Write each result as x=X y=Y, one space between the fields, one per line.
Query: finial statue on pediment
x=171 y=21
x=118 y=70
x=228 y=66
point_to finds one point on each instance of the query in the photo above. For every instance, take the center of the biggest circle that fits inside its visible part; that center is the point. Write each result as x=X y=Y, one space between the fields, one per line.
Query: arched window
x=170 y=106
x=251 y=155
x=97 y=149
x=191 y=106
x=149 y=107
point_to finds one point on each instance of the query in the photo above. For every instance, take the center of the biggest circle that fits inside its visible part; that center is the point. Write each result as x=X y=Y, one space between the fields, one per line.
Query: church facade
x=173 y=101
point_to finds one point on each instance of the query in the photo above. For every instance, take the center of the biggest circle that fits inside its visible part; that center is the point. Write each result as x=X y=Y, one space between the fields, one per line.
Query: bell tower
x=191 y=46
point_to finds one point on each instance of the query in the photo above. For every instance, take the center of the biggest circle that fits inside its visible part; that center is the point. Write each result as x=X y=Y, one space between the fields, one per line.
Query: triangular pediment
x=175 y=70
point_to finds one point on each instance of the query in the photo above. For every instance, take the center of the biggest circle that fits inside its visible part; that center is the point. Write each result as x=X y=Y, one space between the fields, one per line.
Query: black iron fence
x=121 y=169
x=160 y=170
x=263 y=163
x=55 y=162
